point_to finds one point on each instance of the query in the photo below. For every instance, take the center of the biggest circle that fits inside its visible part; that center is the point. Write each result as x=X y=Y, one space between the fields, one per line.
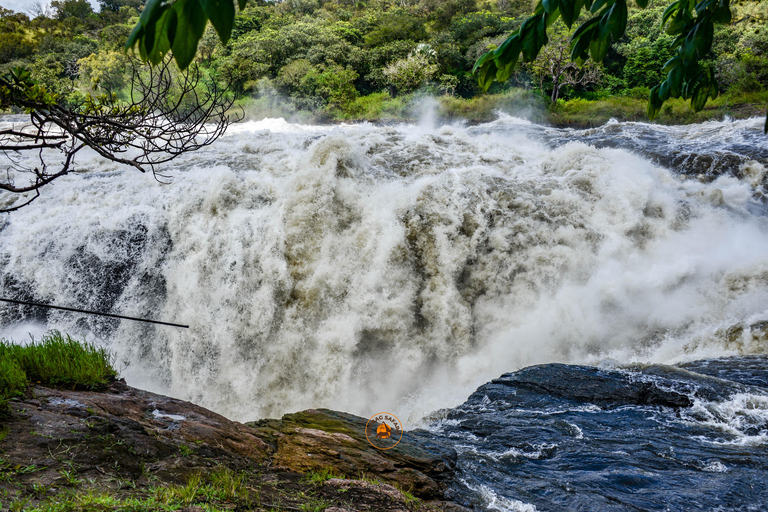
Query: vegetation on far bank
x=336 y=60
x=518 y=102
x=55 y=360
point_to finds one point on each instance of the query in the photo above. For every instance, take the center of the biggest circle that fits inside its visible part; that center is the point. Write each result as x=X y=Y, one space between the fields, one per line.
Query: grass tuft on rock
x=13 y=380
x=54 y=360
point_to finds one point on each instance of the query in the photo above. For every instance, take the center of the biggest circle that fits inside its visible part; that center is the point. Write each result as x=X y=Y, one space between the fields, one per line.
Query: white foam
x=743 y=419
x=397 y=268
x=158 y=414
x=715 y=467
x=493 y=501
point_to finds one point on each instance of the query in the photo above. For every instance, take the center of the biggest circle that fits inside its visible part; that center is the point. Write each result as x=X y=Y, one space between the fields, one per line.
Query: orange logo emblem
x=383 y=430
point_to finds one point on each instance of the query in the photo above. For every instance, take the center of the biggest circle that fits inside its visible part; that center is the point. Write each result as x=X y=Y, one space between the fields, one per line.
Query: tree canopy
x=178 y=26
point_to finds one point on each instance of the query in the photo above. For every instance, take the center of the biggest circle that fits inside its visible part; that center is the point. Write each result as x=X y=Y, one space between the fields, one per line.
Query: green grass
x=217 y=492
x=318 y=477
x=54 y=360
x=379 y=106
x=583 y=113
x=485 y=107
x=13 y=380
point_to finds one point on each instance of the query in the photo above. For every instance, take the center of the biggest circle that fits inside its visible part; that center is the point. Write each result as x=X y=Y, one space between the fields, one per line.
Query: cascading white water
x=368 y=268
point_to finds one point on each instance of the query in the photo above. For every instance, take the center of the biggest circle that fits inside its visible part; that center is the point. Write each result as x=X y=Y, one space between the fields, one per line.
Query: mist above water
x=368 y=268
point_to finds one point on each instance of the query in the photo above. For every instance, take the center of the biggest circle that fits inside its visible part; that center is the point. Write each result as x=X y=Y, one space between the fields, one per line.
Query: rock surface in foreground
x=129 y=443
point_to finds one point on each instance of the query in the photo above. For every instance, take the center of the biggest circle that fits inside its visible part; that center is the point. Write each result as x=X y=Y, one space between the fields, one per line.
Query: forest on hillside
x=346 y=59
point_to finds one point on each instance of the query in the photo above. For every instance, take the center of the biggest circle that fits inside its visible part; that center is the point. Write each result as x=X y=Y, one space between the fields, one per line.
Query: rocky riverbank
x=128 y=449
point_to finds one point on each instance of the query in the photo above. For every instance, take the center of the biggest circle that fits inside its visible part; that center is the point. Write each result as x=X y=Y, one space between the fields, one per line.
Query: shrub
x=410 y=73
x=105 y=71
x=14 y=46
x=336 y=86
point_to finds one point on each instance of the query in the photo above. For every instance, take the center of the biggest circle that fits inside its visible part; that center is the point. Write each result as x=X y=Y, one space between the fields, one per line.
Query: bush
x=14 y=46
x=409 y=74
x=396 y=25
x=104 y=71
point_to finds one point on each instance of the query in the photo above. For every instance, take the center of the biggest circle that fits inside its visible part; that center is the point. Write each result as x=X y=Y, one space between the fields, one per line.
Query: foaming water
x=370 y=268
x=639 y=437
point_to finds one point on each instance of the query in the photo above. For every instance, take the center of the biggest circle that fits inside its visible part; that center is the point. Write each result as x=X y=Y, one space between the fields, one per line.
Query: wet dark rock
x=653 y=385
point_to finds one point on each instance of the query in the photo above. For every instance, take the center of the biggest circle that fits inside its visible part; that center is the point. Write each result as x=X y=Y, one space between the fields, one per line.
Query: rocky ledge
x=128 y=449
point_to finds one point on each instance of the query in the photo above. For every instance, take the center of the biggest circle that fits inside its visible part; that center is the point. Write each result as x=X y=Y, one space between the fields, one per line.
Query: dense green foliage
x=691 y=25
x=349 y=59
x=53 y=360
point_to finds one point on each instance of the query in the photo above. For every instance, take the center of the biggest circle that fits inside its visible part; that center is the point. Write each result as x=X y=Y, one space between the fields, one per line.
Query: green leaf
x=703 y=6
x=136 y=33
x=699 y=96
x=642 y=3
x=508 y=51
x=664 y=90
x=581 y=39
x=671 y=63
x=147 y=40
x=242 y=4
x=165 y=35
x=533 y=36
x=714 y=87
x=550 y=6
x=679 y=22
x=698 y=42
x=670 y=11
x=503 y=73
x=151 y=10
x=483 y=59
x=191 y=25
x=722 y=15
x=530 y=46
x=598 y=48
x=587 y=25
x=614 y=22
x=541 y=30
x=222 y=16
x=485 y=69
x=487 y=74
x=654 y=103
x=598 y=4
x=675 y=80
x=567 y=11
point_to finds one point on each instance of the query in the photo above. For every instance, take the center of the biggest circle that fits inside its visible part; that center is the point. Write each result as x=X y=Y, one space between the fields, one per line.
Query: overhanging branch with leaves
x=690 y=22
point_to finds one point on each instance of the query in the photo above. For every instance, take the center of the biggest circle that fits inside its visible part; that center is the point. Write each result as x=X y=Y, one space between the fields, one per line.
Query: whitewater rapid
x=376 y=268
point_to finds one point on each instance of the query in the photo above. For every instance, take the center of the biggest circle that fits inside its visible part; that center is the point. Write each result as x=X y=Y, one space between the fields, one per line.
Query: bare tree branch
x=169 y=113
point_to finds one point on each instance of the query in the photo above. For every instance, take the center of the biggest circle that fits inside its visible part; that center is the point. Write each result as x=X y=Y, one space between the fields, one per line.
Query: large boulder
x=321 y=439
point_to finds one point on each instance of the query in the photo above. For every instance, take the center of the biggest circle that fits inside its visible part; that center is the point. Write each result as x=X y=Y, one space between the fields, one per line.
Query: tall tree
x=65 y=9
x=115 y=5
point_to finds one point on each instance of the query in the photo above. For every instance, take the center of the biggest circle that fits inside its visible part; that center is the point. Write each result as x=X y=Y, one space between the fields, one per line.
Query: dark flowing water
x=368 y=268
x=559 y=437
